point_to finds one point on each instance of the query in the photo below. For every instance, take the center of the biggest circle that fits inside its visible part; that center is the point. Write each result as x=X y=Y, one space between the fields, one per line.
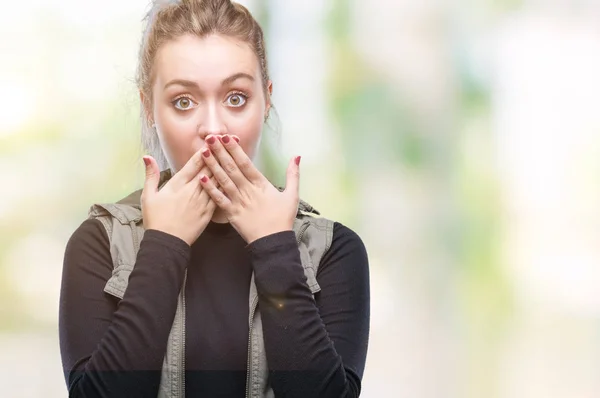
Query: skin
x=212 y=86
x=210 y=106
x=185 y=113
x=250 y=202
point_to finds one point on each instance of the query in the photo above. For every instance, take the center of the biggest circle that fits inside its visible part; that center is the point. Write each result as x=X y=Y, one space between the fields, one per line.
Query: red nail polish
x=236 y=139
x=211 y=140
x=206 y=153
x=225 y=139
x=204 y=179
x=298 y=160
x=146 y=161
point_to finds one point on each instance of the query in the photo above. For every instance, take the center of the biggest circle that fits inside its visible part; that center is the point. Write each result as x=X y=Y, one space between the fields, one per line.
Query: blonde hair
x=170 y=19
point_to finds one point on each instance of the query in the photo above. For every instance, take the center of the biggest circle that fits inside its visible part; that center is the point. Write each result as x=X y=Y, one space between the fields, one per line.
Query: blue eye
x=236 y=100
x=183 y=103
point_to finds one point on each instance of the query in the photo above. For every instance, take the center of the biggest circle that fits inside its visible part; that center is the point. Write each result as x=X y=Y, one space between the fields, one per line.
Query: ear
x=147 y=108
x=268 y=99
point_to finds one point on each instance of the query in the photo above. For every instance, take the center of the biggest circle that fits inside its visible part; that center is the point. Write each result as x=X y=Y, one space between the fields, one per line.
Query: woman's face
x=203 y=86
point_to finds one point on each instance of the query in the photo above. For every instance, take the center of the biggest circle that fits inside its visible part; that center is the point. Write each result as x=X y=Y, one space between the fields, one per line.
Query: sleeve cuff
x=272 y=242
x=169 y=241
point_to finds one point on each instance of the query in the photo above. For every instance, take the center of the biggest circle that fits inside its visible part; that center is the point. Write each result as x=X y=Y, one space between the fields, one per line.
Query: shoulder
x=344 y=236
x=347 y=250
x=87 y=253
x=90 y=237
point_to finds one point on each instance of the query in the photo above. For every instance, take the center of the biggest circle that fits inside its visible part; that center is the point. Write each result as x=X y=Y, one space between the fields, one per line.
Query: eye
x=236 y=100
x=183 y=103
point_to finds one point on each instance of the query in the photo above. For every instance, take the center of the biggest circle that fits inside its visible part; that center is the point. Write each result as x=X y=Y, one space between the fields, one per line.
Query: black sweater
x=115 y=348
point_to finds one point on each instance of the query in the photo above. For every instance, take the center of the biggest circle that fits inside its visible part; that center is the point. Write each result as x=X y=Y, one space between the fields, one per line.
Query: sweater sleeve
x=316 y=347
x=113 y=348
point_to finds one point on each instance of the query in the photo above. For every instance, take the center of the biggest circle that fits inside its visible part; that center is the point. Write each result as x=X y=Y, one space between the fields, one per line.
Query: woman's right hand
x=181 y=208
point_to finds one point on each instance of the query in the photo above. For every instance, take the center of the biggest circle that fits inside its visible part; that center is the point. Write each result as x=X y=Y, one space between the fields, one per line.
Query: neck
x=219 y=216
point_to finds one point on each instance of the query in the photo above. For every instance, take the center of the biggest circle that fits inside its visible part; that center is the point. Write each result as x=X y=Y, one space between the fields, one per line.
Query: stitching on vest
x=115 y=287
x=107 y=222
x=256 y=361
x=329 y=232
x=120 y=215
x=134 y=235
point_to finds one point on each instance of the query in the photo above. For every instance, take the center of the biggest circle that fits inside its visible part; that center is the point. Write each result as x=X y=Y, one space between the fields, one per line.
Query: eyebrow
x=226 y=81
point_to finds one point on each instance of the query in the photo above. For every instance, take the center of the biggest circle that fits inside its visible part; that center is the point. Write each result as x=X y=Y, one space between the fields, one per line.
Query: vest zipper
x=248 y=375
x=182 y=375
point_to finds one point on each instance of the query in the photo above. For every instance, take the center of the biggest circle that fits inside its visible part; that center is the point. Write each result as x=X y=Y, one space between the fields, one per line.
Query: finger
x=210 y=205
x=292 y=181
x=190 y=170
x=217 y=196
x=196 y=188
x=206 y=171
x=152 y=176
x=224 y=180
x=243 y=162
x=227 y=163
x=203 y=199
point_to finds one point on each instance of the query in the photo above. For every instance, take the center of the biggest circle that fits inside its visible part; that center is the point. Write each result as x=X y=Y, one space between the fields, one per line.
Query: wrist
x=266 y=233
x=273 y=241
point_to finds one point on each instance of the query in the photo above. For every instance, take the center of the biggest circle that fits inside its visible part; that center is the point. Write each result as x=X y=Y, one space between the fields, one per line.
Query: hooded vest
x=124 y=226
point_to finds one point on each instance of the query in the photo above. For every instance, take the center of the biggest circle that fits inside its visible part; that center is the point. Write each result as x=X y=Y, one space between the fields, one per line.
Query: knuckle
x=150 y=174
x=261 y=185
x=223 y=179
x=229 y=167
x=198 y=162
x=220 y=199
x=144 y=199
x=245 y=164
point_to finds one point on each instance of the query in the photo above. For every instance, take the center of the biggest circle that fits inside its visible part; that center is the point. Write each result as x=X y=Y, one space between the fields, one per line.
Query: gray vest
x=124 y=226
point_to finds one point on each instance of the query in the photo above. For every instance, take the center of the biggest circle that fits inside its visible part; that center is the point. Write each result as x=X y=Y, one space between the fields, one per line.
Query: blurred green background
x=458 y=139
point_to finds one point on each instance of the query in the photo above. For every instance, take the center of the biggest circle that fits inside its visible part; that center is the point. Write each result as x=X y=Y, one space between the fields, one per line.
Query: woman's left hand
x=250 y=202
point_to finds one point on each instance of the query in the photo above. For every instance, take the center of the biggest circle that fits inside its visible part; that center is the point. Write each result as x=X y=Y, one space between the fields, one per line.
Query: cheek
x=248 y=128
x=179 y=136
x=176 y=136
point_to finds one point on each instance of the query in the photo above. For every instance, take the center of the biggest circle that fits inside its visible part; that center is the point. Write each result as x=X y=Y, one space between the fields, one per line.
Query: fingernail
x=298 y=160
x=211 y=140
x=206 y=153
x=146 y=161
x=225 y=139
x=204 y=179
x=236 y=139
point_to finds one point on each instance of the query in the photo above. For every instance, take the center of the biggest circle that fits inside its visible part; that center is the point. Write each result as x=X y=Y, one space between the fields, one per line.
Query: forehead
x=206 y=60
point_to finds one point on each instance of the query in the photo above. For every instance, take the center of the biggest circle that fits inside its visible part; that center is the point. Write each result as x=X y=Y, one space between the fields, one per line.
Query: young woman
x=211 y=282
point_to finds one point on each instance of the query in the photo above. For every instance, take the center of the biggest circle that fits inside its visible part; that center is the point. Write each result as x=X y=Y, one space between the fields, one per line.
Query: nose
x=212 y=121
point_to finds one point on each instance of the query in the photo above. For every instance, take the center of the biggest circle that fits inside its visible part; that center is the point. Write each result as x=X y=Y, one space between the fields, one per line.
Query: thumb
x=292 y=181
x=152 y=176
